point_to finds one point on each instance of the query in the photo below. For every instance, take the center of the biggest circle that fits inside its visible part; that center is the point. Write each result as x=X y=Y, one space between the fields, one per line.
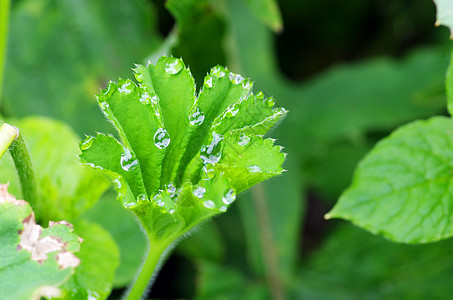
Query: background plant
x=337 y=114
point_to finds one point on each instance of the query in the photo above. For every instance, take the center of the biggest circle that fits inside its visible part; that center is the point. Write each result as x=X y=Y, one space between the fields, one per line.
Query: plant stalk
x=148 y=272
x=4 y=22
x=8 y=134
x=22 y=162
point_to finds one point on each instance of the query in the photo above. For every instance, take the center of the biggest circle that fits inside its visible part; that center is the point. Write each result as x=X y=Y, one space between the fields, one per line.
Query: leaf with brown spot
x=33 y=259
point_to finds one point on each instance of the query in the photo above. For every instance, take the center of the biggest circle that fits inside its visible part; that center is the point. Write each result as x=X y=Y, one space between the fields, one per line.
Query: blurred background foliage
x=348 y=71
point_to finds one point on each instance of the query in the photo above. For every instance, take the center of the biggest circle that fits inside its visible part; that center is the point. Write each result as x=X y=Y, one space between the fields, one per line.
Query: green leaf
x=99 y=257
x=33 y=261
x=403 y=187
x=66 y=188
x=445 y=14
x=267 y=11
x=127 y=235
x=86 y=40
x=163 y=122
x=381 y=269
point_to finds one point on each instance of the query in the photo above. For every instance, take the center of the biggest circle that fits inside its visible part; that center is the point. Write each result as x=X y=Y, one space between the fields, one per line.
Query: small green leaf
x=202 y=147
x=403 y=188
x=99 y=257
x=66 y=188
x=33 y=261
x=445 y=14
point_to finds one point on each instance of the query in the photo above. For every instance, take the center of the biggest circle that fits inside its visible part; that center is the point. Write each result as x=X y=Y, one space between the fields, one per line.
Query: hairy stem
x=22 y=162
x=148 y=272
x=8 y=134
x=4 y=22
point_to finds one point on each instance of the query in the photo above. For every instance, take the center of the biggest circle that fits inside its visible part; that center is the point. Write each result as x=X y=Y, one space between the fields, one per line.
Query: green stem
x=8 y=134
x=4 y=22
x=22 y=162
x=150 y=268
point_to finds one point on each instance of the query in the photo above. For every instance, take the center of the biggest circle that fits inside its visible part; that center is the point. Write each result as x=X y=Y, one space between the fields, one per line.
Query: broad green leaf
x=197 y=22
x=402 y=188
x=99 y=258
x=34 y=261
x=87 y=41
x=127 y=234
x=445 y=14
x=449 y=86
x=353 y=264
x=188 y=141
x=66 y=188
x=267 y=11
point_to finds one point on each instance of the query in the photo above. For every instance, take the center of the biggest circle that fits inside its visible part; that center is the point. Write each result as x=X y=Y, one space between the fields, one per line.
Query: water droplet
x=218 y=71
x=145 y=98
x=209 y=81
x=254 y=169
x=231 y=111
x=236 y=78
x=259 y=96
x=270 y=101
x=129 y=204
x=139 y=77
x=126 y=160
x=211 y=153
x=243 y=140
x=104 y=105
x=141 y=197
x=208 y=169
x=161 y=138
x=118 y=183
x=223 y=208
x=174 y=65
x=86 y=144
x=247 y=84
x=196 y=116
x=171 y=189
x=229 y=197
x=158 y=198
x=209 y=204
x=126 y=88
x=172 y=211
x=199 y=192
x=154 y=98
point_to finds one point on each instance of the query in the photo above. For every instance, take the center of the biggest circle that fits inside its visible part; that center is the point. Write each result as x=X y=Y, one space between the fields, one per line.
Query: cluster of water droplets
x=126 y=161
x=236 y=78
x=161 y=138
x=126 y=88
x=174 y=65
x=218 y=71
x=210 y=154
x=196 y=116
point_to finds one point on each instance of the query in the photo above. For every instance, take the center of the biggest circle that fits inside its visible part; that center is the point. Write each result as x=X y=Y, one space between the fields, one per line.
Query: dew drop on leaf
x=104 y=105
x=87 y=143
x=218 y=72
x=174 y=65
x=236 y=78
x=247 y=84
x=243 y=140
x=231 y=111
x=141 y=197
x=211 y=153
x=208 y=169
x=126 y=160
x=199 y=192
x=161 y=138
x=229 y=197
x=209 y=81
x=209 y=204
x=196 y=116
x=145 y=98
x=126 y=88
x=254 y=169
x=223 y=208
x=154 y=99
x=171 y=189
